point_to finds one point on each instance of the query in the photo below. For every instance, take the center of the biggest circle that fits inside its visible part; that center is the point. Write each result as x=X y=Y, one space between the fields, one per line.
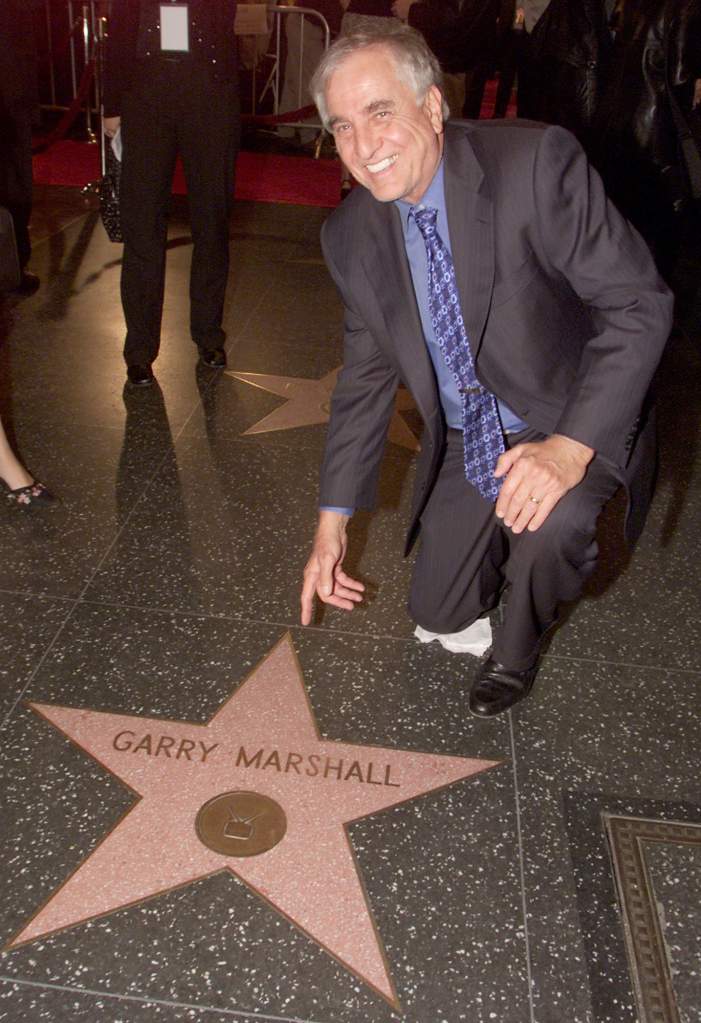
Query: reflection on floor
x=211 y=814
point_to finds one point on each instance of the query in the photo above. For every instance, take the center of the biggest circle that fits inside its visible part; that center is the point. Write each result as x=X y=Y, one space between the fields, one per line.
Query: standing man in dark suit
x=464 y=35
x=19 y=106
x=483 y=266
x=171 y=87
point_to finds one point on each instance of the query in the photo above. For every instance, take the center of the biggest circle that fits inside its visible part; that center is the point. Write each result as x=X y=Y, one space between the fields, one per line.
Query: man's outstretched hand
x=323 y=574
x=536 y=476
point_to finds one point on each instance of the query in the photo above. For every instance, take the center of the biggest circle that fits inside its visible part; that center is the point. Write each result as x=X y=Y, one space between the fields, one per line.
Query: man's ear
x=433 y=105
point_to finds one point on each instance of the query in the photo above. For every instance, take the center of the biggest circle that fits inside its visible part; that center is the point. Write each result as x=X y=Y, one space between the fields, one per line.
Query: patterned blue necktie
x=481 y=426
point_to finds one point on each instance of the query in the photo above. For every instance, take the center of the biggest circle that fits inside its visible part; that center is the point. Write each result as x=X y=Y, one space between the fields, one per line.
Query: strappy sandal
x=33 y=495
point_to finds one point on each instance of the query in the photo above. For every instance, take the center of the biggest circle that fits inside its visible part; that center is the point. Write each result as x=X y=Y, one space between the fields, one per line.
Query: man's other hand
x=110 y=126
x=536 y=476
x=323 y=574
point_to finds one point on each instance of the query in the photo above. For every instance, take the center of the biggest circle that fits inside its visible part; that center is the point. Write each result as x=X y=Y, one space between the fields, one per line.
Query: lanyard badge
x=175 y=28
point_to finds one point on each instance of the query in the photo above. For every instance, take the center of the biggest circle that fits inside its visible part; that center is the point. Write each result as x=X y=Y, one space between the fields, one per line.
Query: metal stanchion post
x=99 y=23
x=87 y=46
x=99 y=78
x=253 y=82
x=50 y=49
x=278 y=51
x=71 y=22
x=300 y=69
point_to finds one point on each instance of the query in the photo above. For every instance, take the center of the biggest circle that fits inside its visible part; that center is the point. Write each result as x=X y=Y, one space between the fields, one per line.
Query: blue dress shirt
x=448 y=392
x=434 y=197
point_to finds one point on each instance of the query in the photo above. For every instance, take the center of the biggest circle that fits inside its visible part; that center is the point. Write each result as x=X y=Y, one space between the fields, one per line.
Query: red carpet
x=264 y=177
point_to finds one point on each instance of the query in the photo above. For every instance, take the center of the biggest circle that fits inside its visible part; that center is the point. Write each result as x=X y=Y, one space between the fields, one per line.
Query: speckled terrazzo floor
x=165 y=579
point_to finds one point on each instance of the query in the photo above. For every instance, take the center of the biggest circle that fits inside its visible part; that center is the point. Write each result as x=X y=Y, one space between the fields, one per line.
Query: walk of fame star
x=309 y=402
x=252 y=792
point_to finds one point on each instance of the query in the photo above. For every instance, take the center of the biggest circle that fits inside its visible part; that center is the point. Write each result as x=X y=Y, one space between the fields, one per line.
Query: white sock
x=475 y=639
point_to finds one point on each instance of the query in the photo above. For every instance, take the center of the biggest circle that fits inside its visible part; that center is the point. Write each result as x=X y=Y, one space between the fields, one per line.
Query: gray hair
x=416 y=65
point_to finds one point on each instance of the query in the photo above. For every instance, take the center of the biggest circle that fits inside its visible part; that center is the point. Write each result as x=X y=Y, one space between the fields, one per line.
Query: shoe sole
x=495 y=713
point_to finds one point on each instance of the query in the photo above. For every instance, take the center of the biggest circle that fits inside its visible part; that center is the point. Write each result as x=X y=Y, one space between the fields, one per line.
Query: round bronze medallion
x=240 y=824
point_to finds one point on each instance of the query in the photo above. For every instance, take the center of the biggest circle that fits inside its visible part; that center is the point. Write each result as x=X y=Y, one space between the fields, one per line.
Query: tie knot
x=426 y=221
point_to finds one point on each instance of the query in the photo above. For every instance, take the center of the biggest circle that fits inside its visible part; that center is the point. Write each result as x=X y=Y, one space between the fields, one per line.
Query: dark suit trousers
x=176 y=109
x=467 y=555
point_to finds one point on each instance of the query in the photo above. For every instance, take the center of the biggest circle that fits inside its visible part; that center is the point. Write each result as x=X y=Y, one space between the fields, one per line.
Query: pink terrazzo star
x=309 y=404
x=263 y=740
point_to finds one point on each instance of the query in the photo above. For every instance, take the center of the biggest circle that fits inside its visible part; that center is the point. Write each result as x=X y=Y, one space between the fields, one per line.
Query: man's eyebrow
x=371 y=108
x=380 y=104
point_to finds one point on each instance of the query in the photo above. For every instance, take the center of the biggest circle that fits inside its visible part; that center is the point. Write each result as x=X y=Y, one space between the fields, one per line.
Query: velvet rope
x=66 y=122
x=286 y=118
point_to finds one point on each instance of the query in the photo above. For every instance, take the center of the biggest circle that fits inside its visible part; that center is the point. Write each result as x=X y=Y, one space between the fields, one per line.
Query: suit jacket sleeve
x=610 y=268
x=361 y=409
x=120 y=53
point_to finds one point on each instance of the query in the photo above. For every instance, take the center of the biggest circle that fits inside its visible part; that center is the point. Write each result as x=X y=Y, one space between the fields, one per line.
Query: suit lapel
x=470 y=216
x=388 y=272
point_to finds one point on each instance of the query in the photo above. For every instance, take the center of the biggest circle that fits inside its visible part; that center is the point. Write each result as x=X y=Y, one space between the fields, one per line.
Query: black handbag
x=108 y=193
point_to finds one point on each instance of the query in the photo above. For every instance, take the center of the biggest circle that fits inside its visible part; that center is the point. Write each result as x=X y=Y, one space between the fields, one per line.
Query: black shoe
x=213 y=357
x=496 y=688
x=139 y=376
x=29 y=283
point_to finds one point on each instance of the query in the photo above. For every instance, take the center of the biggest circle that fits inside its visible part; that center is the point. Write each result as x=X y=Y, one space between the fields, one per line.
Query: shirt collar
x=434 y=196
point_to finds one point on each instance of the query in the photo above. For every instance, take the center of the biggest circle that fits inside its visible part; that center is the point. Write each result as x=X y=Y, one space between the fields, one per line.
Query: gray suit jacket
x=565 y=313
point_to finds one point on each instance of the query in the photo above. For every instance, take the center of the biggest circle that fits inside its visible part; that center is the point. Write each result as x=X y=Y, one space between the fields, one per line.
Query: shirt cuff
x=340 y=511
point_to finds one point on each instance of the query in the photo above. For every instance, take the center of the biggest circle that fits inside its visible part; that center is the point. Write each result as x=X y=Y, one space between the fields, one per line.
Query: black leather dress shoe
x=139 y=376
x=214 y=357
x=496 y=688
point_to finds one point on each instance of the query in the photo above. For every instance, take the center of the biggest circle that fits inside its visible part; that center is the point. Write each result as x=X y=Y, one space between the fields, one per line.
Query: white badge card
x=175 y=28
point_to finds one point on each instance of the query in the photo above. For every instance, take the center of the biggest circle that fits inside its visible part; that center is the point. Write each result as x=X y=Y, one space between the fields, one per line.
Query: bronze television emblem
x=241 y=824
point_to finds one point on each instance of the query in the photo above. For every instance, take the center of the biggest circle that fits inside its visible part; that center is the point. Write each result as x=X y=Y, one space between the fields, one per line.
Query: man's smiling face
x=390 y=143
